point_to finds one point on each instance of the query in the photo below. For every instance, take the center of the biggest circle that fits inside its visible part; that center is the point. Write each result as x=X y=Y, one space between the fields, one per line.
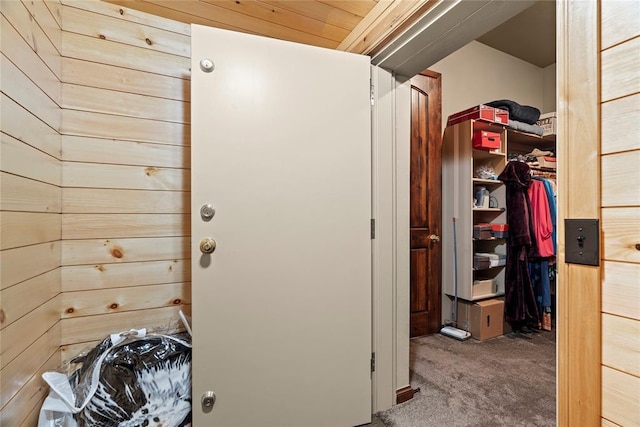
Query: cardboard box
x=547 y=162
x=480 y=112
x=483 y=319
x=483 y=287
x=485 y=140
x=481 y=262
x=482 y=231
x=548 y=123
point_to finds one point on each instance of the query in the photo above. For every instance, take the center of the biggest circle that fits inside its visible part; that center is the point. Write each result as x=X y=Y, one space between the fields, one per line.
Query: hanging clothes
x=520 y=302
x=542 y=225
x=549 y=187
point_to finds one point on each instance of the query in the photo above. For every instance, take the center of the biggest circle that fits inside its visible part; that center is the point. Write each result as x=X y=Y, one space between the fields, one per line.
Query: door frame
x=433 y=36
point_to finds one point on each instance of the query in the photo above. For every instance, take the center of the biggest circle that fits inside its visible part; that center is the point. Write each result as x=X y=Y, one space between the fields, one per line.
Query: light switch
x=582 y=241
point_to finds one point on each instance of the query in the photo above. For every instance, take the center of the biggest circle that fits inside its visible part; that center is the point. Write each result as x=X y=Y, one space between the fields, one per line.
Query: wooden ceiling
x=358 y=26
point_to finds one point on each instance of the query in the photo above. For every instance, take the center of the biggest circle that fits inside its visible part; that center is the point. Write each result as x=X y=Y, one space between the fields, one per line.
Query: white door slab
x=282 y=308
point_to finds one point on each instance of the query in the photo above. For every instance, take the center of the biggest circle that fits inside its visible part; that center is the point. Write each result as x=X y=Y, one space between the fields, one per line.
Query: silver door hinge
x=373 y=228
x=373 y=94
x=373 y=362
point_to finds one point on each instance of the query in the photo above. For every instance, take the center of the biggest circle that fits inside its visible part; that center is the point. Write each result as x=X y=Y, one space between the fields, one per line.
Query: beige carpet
x=505 y=381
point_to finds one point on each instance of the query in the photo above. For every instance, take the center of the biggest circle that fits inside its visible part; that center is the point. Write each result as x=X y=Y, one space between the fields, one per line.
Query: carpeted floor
x=505 y=381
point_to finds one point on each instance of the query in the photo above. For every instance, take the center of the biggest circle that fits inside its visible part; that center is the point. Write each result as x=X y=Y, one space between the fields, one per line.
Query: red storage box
x=500 y=231
x=480 y=112
x=486 y=140
x=502 y=116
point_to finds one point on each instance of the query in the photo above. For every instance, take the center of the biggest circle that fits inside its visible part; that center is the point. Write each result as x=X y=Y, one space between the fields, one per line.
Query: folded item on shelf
x=521 y=113
x=525 y=127
x=495 y=260
x=539 y=153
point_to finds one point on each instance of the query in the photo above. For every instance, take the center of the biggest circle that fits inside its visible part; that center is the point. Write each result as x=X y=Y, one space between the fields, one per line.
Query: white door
x=282 y=308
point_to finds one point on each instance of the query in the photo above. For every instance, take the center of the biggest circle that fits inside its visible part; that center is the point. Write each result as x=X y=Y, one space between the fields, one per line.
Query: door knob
x=208 y=400
x=207 y=245
x=434 y=238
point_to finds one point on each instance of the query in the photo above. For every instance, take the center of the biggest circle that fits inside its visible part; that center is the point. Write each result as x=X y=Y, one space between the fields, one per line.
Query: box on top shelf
x=480 y=112
x=547 y=122
x=486 y=140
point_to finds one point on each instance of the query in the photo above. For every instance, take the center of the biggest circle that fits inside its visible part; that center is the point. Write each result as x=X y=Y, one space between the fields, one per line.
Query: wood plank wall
x=30 y=198
x=620 y=157
x=125 y=172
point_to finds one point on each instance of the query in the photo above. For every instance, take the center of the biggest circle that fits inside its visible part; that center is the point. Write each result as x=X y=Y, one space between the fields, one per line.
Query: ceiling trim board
x=443 y=29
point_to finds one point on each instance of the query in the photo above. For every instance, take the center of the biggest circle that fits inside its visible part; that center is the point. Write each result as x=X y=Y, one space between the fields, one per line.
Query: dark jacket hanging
x=520 y=303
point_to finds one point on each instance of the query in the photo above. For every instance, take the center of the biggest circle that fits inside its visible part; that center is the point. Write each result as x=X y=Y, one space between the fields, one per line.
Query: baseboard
x=403 y=394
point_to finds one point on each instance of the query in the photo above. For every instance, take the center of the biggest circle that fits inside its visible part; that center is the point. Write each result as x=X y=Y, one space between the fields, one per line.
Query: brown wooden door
x=426 y=209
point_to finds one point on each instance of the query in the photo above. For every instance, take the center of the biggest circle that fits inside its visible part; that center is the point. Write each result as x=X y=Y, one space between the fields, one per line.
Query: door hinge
x=373 y=362
x=373 y=228
x=372 y=93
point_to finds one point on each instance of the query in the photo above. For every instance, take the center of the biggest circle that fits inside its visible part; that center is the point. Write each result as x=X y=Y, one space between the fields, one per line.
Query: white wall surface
x=477 y=74
x=549 y=93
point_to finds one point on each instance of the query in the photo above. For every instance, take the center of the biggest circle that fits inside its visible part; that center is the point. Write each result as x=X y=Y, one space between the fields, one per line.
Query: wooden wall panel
x=19 y=16
x=620 y=149
x=86 y=123
x=113 y=53
x=120 y=79
x=130 y=15
x=18 y=158
x=620 y=21
x=112 y=226
x=28 y=228
x=92 y=328
x=105 y=251
x=620 y=65
x=41 y=14
x=17 y=373
x=24 y=263
x=621 y=344
x=106 y=101
x=132 y=153
x=17 y=50
x=28 y=128
x=619 y=129
x=125 y=173
x=620 y=290
x=17 y=85
x=607 y=423
x=106 y=276
x=19 y=410
x=621 y=228
x=91 y=200
x=23 y=332
x=93 y=175
x=30 y=206
x=620 y=402
x=55 y=8
x=621 y=179
x=22 y=298
x=27 y=195
x=117 y=300
x=116 y=29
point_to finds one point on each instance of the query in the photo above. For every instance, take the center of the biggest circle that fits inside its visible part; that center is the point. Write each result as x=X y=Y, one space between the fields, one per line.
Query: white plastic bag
x=126 y=379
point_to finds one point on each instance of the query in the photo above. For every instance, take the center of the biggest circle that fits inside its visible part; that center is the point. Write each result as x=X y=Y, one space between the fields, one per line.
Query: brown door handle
x=434 y=238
